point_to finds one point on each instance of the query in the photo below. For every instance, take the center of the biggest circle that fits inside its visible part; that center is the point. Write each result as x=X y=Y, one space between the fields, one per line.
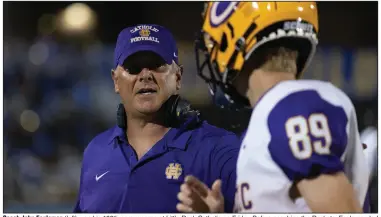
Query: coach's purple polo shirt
x=113 y=180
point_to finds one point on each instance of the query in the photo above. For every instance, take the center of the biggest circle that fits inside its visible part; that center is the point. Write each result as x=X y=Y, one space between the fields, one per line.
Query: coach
x=139 y=165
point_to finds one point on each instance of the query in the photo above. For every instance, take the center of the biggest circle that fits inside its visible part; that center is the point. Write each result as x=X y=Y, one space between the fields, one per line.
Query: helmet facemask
x=220 y=84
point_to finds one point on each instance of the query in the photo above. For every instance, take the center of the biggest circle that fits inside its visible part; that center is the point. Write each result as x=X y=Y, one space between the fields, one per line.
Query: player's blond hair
x=276 y=59
x=280 y=60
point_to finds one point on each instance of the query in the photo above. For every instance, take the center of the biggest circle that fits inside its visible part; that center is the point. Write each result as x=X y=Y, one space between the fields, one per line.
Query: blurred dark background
x=58 y=92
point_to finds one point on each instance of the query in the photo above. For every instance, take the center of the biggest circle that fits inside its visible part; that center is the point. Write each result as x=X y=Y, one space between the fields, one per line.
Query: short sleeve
x=224 y=160
x=308 y=135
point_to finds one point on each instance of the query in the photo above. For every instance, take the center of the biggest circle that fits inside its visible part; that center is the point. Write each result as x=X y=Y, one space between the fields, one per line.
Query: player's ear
x=114 y=76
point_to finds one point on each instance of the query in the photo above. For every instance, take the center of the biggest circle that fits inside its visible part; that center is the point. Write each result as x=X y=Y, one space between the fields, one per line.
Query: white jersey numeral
x=308 y=136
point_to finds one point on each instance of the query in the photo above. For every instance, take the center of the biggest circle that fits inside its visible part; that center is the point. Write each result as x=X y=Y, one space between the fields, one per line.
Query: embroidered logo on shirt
x=173 y=171
x=99 y=177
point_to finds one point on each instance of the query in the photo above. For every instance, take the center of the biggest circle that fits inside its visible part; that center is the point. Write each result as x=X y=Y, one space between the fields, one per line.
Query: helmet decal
x=220 y=12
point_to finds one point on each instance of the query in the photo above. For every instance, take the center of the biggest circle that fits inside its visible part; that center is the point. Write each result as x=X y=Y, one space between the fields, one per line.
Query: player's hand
x=195 y=196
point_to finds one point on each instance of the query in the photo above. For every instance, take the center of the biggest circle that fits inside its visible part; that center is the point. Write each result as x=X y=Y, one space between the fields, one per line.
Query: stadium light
x=29 y=120
x=77 y=18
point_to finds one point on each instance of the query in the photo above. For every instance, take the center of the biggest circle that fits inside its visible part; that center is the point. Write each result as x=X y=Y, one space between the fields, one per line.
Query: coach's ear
x=179 y=73
x=114 y=76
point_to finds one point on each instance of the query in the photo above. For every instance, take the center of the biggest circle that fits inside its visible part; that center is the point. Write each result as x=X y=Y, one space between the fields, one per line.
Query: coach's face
x=145 y=82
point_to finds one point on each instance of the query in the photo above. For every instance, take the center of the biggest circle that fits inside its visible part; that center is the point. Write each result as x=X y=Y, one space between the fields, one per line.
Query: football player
x=369 y=138
x=302 y=150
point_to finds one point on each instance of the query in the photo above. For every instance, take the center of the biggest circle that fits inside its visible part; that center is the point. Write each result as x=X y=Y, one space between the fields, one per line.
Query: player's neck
x=143 y=134
x=261 y=81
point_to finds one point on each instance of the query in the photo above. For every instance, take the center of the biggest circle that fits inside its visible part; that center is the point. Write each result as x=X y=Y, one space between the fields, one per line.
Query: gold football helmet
x=232 y=31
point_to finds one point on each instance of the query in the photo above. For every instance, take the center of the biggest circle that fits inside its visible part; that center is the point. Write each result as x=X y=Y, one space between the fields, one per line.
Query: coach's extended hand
x=195 y=196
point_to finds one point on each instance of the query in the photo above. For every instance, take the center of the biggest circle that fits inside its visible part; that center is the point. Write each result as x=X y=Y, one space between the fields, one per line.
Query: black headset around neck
x=177 y=110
